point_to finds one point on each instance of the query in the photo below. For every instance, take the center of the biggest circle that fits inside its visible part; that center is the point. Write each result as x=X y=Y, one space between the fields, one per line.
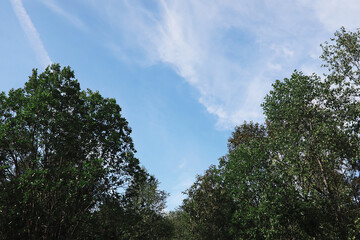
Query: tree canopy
x=66 y=156
x=68 y=168
x=297 y=175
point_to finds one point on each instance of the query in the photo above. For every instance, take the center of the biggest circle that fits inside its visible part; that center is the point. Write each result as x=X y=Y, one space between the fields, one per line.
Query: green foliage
x=208 y=207
x=65 y=157
x=245 y=134
x=180 y=220
x=297 y=176
x=146 y=206
x=310 y=146
x=68 y=171
x=139 y=215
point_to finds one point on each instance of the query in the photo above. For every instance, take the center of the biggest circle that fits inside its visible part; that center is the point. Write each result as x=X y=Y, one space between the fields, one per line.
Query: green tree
x=145 y=206
x=342 y=58
x=266 y=206
x=139 y=215
x=310 y=174
x=245 y=134
x=63 y=153
x=181 y=223
x=297 y=177
x=312 y=148
x=208 y=207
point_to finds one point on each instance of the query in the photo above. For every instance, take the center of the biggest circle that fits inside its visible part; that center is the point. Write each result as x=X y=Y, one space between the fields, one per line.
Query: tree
x=265 y=205
x=145 y=205
x=310 y=173
x=208 y=207
x=316 y=125
x=296 y=177
x=245 y=134
x=63 y=153
x=342 y=58
x=139 y=215
x=306 y=145
x=182 y=226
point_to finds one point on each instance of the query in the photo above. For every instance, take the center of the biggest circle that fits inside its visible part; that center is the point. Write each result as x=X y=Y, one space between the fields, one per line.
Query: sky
x=185 y=72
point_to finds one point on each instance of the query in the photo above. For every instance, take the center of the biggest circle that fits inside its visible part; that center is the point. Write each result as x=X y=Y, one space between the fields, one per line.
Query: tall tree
x=307 y=146
x=322 y=129
x=342 y=58
x=297 y=177
x=266 y=205
x=63 y=152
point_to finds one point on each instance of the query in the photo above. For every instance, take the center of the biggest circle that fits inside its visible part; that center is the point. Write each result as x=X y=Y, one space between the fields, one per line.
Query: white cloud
x=69 y=17
x=334 y=14
x=232 y=77
x=192 y=38
x=230 y=51
x=31 y=32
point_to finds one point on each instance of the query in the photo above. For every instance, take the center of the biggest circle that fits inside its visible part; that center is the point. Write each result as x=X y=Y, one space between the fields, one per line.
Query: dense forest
x=68 y=168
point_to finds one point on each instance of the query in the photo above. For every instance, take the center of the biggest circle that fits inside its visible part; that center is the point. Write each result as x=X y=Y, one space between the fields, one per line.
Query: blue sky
x=185 y=72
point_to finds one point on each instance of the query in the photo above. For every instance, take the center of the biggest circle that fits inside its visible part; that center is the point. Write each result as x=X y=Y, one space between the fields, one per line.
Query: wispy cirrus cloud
x=229 y=51
x=31 y=32
x=73 y=19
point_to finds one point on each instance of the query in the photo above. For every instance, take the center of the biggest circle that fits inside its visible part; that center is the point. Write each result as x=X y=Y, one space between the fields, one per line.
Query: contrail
x=31 y=32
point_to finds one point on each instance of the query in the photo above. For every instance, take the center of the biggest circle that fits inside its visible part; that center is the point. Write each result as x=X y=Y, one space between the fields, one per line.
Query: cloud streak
x=31 y=32
x=229 y=51
x=221 y=50
x=74 y=20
